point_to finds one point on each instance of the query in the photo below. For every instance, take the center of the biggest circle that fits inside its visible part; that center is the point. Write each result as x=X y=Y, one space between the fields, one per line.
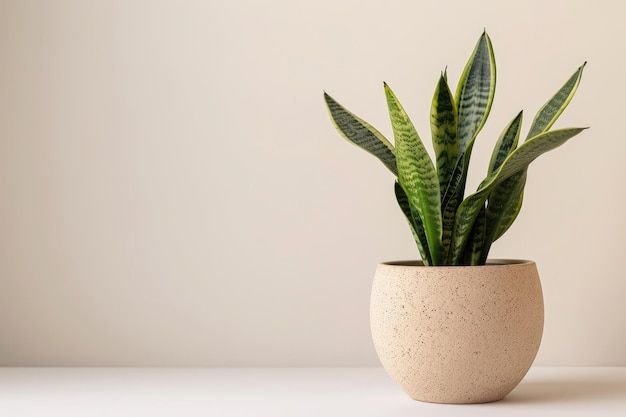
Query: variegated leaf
x=549 y=112
x=417 y=176
x=503 y=207
x=474 y=97
x=475 y=92
x=503 y=200
x=476 y=246
x=361 y=133
x=509 y=216
x=506 y=143
x=443 y=121
x=516 y=161
x=451 y=200
x=415 y=222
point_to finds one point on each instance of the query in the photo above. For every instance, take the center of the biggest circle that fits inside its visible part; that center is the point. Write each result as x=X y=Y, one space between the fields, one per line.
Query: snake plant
x=449 y=228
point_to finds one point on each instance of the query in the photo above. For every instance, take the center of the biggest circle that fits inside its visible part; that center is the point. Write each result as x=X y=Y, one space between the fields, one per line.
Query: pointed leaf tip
x=361 y=133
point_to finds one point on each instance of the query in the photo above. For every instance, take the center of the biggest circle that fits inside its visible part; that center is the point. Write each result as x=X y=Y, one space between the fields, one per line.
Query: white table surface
x=277 y=392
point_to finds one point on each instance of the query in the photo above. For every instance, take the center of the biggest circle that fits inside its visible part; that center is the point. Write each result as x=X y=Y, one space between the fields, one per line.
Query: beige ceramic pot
x=457 y=334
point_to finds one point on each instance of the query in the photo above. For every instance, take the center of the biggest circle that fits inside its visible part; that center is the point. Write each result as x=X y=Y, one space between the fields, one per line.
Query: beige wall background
x=173 y=193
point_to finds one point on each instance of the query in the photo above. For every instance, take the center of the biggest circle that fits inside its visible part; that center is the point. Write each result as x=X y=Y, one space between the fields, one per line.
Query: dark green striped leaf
x=547 y=115
x=452 y=199
x=503 y=207
x=476 y=247
x=415 y=222
x=474 y=94
x=417 y=176
x=443 y=121
x=503 y=202
x=518 y=160
x=510 y=215
x=474 y=97
x=362 y=134
x=506 y=143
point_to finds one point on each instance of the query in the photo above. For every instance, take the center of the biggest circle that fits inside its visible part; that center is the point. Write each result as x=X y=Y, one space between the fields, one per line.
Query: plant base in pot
x=457 y=334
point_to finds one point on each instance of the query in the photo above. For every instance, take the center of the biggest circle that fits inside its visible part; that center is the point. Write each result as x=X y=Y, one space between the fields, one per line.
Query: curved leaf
x=360 y=133
x=506 y=143
x=505 y=201
x=549 y=112
x=417 y=176
x=516 y=161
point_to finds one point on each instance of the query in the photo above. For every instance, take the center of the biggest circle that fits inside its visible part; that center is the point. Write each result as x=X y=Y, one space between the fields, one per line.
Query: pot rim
x=490 y=263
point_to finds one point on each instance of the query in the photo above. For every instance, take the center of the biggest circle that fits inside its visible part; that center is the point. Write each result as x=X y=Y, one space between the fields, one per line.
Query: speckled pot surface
x=457 y=334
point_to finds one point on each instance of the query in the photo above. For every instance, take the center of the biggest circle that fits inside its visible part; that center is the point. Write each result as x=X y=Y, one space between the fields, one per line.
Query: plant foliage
x=450 y=228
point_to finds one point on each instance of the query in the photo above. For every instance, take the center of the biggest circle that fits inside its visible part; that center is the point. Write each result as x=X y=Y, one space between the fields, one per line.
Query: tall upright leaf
x=503 y=207
x=474 y=98
x=361 y=133
x=417 y=176
x=475 y=92
x=443 y=125
x=453 y=196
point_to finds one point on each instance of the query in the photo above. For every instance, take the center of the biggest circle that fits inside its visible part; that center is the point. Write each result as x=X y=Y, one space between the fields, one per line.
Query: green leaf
x=503 y=207
x=547 y=115
x=474 y=97
x=443 y=121
x=451 y=201
x=415 y=222
x=506 y=143
x=505 y=201
x=510 y=215
x=417 y=176
x=475 y=92
x=475 y=249
x=362 y=134
x=518 y=160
